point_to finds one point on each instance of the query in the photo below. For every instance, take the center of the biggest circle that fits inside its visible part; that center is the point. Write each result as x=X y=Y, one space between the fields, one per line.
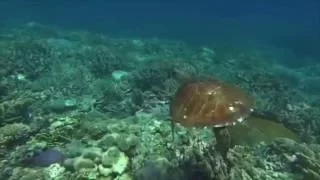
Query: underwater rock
x=109 y=140
x=83 y=163
x=124 y=176
x=118 y=75
x=104 y=170
x=93 y=153
x=94 y=161
x=115 y=159
x=149 y=171
x=127 y=142
x=132 y=140
x=74 y=148
x=157 y=168
x=61 y=105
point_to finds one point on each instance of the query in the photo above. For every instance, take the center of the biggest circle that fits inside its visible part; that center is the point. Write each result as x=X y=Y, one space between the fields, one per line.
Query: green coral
x=303 y=157
x=94 y=163
x=310 y=168
x=61 y=130
x=12 y=110
x=28 y=57
x=248 y=166
x=13 y=132
x=120 y=135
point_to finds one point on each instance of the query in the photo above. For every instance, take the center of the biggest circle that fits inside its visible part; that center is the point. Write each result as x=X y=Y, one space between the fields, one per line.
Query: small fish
x=44 y=158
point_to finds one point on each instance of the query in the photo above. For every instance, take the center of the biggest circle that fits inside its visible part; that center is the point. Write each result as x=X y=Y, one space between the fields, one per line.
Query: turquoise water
x=120 y=90
x=287 y=25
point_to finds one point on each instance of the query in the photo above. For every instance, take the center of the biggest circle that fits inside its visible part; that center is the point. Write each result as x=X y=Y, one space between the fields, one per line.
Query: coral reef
x=14 y=110
x=13 y=133
x=80 y=105
x=98 y=163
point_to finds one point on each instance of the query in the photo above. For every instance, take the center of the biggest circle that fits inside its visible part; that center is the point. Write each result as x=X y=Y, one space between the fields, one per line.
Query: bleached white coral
x=54 y=172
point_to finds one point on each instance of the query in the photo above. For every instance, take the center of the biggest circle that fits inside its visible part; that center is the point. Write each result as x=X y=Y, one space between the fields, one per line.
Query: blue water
x=291 y=27
x=79 y=92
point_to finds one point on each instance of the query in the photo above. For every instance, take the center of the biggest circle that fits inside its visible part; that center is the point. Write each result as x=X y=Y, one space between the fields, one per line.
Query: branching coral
x=28 y=57
x=14 y=110
x=304 y=158
x=101 y=60
x=13 y=133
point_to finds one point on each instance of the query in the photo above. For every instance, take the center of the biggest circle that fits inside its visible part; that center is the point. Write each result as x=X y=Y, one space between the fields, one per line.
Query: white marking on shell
x=220 y=125
x=225 y=124
x=212 y=92
x=238 y=102
x=231 y=108
x=240 y=119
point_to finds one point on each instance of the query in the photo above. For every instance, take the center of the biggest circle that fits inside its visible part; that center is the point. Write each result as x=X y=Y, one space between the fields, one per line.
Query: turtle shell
x=210 y=103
